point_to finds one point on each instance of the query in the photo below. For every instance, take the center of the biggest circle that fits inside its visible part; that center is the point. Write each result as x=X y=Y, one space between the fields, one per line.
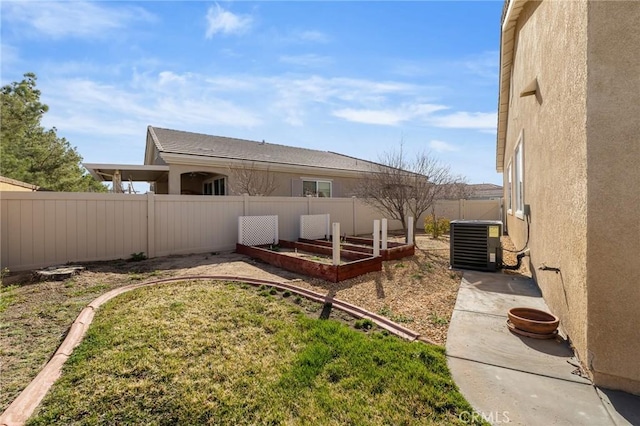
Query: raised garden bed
x=352 y=264
x=394 y=250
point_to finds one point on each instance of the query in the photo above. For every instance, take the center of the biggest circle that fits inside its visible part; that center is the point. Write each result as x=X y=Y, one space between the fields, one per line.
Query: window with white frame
x=509 y=189
x=214 y=187
x=316 y=188
x=519 y=177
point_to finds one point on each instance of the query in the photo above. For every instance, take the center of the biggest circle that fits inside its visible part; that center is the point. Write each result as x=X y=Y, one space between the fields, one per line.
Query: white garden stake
x=376 y=238
x=336 y=243
x=384 y=234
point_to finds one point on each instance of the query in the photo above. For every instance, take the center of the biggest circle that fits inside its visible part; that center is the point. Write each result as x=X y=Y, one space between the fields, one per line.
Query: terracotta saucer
x=515 y=330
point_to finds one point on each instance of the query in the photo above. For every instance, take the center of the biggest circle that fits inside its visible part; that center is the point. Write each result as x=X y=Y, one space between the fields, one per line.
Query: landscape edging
x=19 y=411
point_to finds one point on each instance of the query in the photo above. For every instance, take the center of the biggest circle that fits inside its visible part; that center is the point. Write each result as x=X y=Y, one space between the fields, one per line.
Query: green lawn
x=225 y=353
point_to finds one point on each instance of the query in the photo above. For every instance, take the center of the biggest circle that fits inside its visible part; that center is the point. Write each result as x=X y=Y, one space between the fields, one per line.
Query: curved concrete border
x=25 y=404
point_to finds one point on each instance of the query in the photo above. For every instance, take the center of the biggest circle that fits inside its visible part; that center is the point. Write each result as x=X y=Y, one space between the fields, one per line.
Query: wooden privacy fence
x=39 y=229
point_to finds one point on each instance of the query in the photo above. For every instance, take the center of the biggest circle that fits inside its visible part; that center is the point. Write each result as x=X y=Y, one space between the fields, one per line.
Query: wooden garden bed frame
x=394 y=250
x=360 y=262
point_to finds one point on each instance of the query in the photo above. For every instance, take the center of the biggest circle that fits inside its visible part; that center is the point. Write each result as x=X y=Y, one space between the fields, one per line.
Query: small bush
x=137 y=257
x=273 y=291
x=286 y=293
x=436 y=227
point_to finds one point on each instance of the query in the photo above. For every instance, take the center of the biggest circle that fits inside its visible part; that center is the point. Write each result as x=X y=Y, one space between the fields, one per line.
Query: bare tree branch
x=247 y=179
x=399 y=187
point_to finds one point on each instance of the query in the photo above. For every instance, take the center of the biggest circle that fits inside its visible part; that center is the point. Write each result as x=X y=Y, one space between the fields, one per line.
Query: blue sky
x=350 y=77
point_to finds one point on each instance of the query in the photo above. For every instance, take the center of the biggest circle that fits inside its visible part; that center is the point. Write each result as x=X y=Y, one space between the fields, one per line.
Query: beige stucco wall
x=341 y=186
x=550 y=45
x=613 y=158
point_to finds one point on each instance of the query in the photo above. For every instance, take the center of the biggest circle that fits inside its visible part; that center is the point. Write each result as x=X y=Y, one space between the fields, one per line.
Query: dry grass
x=419 y=291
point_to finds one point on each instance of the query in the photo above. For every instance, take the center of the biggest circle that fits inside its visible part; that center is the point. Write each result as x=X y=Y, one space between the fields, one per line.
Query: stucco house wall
x=550 y=46
x=287 y=184
x=613 y=173
x=580 y=134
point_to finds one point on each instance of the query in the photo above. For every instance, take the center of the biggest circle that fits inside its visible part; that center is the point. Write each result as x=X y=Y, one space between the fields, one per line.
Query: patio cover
x=127 y=172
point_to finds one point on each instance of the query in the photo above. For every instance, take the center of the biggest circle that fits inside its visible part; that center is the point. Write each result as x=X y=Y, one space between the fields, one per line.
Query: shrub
x=435 y=226
x=137 y=257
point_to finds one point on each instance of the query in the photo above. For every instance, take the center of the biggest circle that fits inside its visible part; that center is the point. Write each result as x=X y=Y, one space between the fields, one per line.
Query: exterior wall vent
x=475 y=244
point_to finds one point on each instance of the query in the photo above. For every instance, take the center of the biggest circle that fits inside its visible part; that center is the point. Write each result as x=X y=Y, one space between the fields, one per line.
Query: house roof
x=187 y=143
x=18 y=183
x=485 y=190
x=510 y=14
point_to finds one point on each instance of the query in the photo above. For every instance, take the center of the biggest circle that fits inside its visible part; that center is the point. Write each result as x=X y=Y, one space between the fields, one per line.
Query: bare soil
x=418 y=291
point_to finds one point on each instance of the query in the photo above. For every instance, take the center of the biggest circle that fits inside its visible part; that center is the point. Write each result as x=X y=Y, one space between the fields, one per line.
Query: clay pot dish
x=533 y=320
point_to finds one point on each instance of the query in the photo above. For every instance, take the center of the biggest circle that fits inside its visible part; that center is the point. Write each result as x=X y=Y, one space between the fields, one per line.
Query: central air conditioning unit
x=475 y=244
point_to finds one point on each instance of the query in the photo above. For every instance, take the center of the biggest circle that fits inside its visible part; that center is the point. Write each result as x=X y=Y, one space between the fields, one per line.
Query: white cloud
x=483 y=65
x=389 y=117
x=168 y=77
x=308 y=60
x=441 y=146
x=222 y=21
x=312 y=35
x=383 y=117
x=90 y=107
x=73 y=19
x=466 y=120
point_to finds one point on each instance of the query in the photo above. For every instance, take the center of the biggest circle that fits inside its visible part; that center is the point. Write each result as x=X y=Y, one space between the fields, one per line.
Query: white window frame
x=316 y=181
x=510 y=189
x=213 y=182
x=519 y=176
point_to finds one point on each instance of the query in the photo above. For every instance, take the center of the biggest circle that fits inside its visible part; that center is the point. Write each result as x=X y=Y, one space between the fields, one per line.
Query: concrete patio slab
x=474 y=299
x=494 y=344
x=507 y=396
x=519 y=380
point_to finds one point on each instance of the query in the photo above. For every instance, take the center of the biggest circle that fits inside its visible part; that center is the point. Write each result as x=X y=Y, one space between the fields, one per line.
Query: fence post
x=384 y=234
x=353 y=211
x=376 y=238
x=245 y=204
x=151 y=224
x=336 y=243
x=328 y=226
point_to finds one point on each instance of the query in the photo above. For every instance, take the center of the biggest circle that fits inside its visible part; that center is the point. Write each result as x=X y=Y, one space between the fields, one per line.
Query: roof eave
x=152 y=141
x=507 y=43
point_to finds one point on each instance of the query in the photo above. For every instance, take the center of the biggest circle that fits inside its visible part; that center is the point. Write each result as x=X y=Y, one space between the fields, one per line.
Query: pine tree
x=33 y=154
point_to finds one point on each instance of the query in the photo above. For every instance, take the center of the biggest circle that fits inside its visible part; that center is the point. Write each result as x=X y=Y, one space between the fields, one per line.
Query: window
x=214 y=187
x=316 y=188
x=519 y=178
x=218 y=187
x=509 y=190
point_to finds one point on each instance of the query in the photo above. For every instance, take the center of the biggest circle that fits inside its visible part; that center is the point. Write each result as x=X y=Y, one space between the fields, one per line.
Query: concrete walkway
x=518 y=380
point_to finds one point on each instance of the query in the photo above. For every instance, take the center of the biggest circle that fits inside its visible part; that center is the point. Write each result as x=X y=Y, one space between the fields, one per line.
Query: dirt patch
x=418 y=291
